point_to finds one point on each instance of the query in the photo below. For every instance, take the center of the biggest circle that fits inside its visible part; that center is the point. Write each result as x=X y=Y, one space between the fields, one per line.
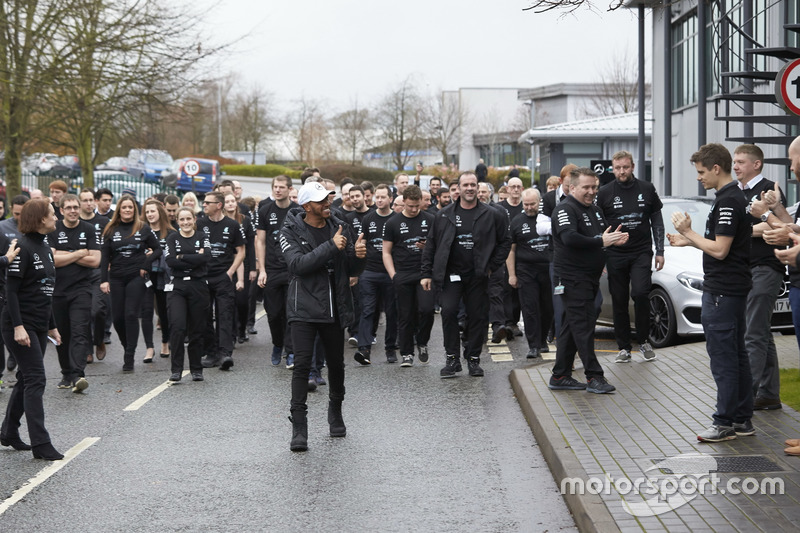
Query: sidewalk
x=642 y=431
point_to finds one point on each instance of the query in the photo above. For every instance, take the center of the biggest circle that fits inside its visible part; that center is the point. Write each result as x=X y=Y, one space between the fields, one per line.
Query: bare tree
x=349 y=130
x=446 y=117
x=307 y=126
x=250 y=118
x=399 y=116
x=542 y=6
x=618 y=87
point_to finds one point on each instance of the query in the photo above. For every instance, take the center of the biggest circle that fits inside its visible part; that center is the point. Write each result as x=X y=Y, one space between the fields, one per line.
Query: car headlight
x=690 y=280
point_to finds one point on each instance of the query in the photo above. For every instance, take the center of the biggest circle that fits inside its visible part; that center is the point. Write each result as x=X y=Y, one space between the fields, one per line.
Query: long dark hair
x=116 y=220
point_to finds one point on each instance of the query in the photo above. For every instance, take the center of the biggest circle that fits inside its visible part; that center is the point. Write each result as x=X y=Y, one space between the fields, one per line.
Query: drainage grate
x=724 y=464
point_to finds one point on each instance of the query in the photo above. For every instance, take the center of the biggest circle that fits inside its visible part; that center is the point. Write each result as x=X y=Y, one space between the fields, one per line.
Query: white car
x=677 y=289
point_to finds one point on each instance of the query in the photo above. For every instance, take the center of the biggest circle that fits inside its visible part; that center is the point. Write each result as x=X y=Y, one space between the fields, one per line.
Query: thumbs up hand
x=339 y=240
x=361 y=247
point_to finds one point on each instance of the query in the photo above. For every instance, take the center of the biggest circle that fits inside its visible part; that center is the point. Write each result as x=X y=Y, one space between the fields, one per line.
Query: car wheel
x=662 y=319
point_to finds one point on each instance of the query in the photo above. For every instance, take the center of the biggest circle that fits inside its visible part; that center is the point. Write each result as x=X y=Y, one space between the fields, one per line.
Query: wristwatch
x=765 y=216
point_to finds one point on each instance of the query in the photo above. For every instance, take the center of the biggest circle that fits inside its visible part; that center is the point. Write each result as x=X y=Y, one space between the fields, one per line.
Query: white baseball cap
x=312 y=192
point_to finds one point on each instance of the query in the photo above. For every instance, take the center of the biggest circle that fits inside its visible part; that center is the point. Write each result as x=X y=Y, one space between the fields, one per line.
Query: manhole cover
x=731 y=464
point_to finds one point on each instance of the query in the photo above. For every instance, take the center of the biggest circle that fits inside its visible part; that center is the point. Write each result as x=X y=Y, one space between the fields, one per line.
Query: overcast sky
x=337 y=50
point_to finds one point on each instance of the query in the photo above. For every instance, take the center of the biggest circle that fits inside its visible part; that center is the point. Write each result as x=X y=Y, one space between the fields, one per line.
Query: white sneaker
x=352 y=341
x=624 y=356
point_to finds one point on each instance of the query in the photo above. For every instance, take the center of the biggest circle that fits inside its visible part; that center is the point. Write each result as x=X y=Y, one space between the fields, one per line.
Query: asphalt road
x=421 y=453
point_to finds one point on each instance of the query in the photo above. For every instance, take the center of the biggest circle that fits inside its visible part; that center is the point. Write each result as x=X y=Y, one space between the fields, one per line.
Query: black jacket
x=311 y=297
x=490 y=234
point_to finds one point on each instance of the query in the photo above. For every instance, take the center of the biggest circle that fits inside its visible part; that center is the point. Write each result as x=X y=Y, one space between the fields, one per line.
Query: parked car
x=148 y=164
x=201 y=183
x=66 y=164
x=677 y=289
x=119 y=164
x=39 y=162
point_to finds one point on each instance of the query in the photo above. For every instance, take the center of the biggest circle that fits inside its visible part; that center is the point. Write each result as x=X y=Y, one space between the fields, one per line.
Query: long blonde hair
x=191 y=196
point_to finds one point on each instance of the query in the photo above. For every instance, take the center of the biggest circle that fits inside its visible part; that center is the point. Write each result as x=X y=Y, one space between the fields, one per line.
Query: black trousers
x=303 y=337
x=241 y=301
x=577 y=330
x=352 y=328
x=252 y=302
x=101 y=305
x=219 y=339
x=473 y=290
x=415 y=316
x=154 y=300
x=630 y=275
x=187 y=307
x=275 y=293
x=73 y=316
x=500 y=307
x=126 y=305
x=536 y=302
x=26 y=396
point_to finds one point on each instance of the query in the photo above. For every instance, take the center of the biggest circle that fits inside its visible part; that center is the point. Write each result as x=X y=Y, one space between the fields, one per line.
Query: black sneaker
x=312 y=385
x=475 y=370
x=197 y=376
x=599 y=385
x=745 y=429
x=565 y=383
x=391 y=356
x=499 y=334
x=408 y=360
x=227 y=363
x=362 y=358
x=209 y=362
x=423 y=354
x=65 y=383
x=533 y=353
x=451 y=366
x=545 y=348
x=176 y=376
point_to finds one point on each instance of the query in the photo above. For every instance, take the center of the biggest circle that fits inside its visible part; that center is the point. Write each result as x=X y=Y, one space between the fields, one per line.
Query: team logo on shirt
x=424 y=224
x=640 y=199
x=225 y=230
x=62 y=235
x=206 y=230
x=458 y=221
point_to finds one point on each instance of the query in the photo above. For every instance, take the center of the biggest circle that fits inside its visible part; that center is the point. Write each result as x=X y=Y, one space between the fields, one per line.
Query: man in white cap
x=321 y=254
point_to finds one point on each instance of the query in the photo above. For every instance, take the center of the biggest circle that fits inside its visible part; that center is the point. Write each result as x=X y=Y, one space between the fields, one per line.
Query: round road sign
x=191 y=167
x=787 y=87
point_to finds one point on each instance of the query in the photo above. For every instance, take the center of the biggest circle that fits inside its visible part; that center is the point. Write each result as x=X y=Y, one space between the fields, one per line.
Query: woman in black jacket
x=246 y=273
x=187 y=254
x=123 y=266
x=30 y=280
x=154 y=214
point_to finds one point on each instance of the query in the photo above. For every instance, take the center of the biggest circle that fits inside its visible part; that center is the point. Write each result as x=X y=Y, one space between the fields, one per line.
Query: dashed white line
x=136 y=405
x=45 y=473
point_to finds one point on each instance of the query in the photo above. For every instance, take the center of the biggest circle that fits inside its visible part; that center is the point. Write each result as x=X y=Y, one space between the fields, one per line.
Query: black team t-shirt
x=512 y=210
x=532 y=249
x=728 y=216
x=405 y=233
x=223 y=237
x=630 y=205
x=271 y=219
x=356 y=219
x=372 y=226
x=73 y=276
x=461 y=260
x=761 y=253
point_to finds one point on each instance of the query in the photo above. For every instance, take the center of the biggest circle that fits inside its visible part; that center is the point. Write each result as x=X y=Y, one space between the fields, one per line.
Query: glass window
x=684 y=61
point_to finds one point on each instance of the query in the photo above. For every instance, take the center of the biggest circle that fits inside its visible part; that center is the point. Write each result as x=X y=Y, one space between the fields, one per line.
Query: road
x=421 y=453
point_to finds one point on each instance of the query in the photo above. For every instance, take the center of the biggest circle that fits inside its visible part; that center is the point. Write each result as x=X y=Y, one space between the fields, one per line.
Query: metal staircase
x=745 y=71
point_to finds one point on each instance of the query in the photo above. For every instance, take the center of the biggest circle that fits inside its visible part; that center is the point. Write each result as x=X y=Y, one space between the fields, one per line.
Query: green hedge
x=261 y=171
x=356 y=173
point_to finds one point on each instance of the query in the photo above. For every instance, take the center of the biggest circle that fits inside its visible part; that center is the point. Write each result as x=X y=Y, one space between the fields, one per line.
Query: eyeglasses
x=209 y=203
x=71 y=208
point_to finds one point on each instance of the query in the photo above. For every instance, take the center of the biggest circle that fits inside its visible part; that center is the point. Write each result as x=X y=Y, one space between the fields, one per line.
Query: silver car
x=676 y=292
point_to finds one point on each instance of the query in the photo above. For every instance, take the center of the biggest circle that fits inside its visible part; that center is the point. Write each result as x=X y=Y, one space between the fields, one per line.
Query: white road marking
x=260 y=314
x=152 y=394
x=45 y=473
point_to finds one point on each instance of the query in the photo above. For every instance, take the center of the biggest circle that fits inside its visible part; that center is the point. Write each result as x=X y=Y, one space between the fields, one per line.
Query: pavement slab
x=630 y=461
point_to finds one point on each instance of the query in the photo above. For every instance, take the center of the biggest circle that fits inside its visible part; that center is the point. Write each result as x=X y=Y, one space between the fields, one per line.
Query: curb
x=588 y=510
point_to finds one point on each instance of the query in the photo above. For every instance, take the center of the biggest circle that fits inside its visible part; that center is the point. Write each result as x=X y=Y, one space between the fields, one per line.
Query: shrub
x=261 y=171
x=357 y=173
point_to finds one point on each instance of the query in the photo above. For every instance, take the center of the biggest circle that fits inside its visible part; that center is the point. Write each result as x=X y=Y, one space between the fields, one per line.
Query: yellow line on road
x=45 y=473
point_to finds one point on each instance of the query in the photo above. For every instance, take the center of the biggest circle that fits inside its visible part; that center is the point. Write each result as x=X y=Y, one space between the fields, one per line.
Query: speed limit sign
x=787 y=87
x=191 y=167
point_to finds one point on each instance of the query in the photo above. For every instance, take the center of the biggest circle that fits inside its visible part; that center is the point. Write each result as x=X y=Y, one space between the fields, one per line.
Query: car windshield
x=697 y=210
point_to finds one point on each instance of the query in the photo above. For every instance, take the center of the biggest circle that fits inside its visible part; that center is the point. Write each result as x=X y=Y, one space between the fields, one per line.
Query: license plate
x=782 y=306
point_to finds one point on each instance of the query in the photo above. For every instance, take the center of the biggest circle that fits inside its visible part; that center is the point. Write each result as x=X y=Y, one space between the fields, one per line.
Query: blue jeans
x=373 y=284
x=723 y=319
